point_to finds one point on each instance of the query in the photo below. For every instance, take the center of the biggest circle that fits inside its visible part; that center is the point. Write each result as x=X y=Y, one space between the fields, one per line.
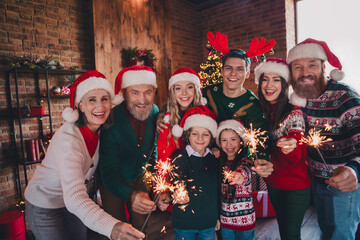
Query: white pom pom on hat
x=311 y=48
x=297 y=100
x=85 y=83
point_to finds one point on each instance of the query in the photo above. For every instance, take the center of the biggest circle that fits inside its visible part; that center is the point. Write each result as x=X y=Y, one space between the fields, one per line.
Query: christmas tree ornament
x=263 y=57
x=271 y=52
x=255 y=59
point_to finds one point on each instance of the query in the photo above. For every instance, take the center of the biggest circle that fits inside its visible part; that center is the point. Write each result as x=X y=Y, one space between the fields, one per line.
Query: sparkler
x=227 y=175
x=255 y=137
x=316 y=140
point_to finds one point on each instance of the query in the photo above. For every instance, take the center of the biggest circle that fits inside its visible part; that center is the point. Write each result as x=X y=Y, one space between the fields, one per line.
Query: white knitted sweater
x=59 y=181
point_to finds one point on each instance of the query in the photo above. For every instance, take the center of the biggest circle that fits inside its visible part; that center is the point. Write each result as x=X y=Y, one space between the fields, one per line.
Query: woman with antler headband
x=229 y=99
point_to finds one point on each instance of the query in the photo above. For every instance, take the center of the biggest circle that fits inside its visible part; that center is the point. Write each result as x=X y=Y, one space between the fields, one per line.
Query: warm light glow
x=255 y=137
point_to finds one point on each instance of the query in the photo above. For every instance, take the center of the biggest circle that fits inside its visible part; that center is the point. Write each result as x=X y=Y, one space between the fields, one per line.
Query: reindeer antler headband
x=257 y=47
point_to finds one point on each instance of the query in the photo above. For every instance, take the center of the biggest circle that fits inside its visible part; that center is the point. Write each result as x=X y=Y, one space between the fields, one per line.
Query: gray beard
x=137 y=115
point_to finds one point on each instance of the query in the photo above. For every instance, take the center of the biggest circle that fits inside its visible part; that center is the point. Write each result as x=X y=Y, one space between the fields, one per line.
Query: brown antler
x=259 y=47
x=220 y=42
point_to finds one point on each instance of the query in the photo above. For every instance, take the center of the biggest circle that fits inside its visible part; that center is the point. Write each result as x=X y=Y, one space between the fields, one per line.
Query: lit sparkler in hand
x=255 y=137
x=227 y=175
x=316 y=140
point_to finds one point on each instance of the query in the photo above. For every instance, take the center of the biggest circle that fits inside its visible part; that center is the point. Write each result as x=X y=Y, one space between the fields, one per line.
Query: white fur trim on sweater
x=297 y=100
x=70 y=115
x=138 y=77
x=272 y=67
x=233 y=125
x=306 y=50
x=200 y=120
x=90 y=84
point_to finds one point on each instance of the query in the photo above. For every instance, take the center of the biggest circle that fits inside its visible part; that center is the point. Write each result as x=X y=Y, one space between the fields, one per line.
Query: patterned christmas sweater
x=238 y=214
x=245 y=108
x=290 y=170
x=338 y=106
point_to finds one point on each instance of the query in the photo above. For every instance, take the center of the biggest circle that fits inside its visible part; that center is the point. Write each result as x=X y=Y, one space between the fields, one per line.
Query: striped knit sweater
x=338 y=106
x=238 y=214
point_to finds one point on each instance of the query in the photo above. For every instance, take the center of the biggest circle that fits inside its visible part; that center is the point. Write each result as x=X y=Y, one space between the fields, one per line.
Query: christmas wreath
x=133 y=56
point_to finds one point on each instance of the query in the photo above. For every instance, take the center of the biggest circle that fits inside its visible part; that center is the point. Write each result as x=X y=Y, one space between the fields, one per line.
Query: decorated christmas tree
x=210 y=69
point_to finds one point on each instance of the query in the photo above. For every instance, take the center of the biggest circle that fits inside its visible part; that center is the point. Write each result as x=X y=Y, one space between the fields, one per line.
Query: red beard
x=310 y=91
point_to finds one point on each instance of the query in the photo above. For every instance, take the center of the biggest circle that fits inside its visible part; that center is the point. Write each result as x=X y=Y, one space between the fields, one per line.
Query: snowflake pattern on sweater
x=338 y=106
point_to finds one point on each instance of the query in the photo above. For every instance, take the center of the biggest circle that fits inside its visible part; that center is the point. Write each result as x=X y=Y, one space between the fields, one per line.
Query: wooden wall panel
x=132 y=23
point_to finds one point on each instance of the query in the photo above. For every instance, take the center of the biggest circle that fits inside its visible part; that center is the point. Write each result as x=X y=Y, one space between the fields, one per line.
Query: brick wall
x=62 y=29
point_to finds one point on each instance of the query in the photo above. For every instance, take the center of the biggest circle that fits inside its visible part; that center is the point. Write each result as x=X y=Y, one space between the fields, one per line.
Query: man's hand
x=263 y=168
x=164 y=200
x=124 y=231
x=287 y=145
x=236 y=178
x=160 y=122
x=217 y=227
x=141 y=203
x=343 y=179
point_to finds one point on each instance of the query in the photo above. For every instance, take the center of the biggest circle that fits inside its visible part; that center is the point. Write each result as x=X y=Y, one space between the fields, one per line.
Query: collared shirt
x=138 y=126
x=191 y=151
x=91 y=139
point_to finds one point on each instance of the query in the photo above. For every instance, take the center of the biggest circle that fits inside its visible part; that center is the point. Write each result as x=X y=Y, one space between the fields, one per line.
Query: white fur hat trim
x=185 y=76
x=306 y=50
x=137 y=77
x=201 y=120
x=272 y=67
x=90 y=84
x=233 y=125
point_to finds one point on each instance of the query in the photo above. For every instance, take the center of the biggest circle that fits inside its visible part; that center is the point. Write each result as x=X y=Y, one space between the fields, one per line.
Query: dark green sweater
x=202 y=210
x=245 y=108
x=122 y=159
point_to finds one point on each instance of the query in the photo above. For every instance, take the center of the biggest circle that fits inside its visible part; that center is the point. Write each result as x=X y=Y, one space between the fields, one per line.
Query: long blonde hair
x=173 y=107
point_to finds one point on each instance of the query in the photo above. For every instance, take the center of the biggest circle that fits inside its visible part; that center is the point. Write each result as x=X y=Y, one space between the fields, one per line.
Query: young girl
x=195 y=214
x=289 y=184
x=184 y=93
x=237 y=215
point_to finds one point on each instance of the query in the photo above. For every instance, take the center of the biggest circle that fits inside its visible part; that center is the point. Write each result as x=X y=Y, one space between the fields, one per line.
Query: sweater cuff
x=356 y=166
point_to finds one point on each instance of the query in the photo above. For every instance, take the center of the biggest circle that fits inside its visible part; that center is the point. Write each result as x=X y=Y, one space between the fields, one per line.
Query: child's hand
x=217 y=227
x=164 y=200
x=262 y=167
x=236 y=178
x=287 y=145
x=216 y=152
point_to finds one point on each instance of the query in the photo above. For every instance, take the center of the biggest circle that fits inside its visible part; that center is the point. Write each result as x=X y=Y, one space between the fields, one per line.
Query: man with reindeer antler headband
x=229 y=99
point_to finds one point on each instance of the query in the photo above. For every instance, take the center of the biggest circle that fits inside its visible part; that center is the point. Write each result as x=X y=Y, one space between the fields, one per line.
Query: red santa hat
x=134 y=75
x=234 y=125
x=85 y=83
x=199 y=116
x=272 y=65
x=311 y=48
x=187 y=74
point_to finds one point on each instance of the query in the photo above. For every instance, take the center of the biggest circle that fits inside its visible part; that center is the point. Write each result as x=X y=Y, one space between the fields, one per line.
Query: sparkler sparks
x=227 y=175
x=255 y=137
x=316 y=140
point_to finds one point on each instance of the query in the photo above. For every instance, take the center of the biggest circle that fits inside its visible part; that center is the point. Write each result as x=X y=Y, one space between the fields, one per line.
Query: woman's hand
x=124 y=231
x=287 y=145
x=160 y=122
x=217 y=227
x=263 y=168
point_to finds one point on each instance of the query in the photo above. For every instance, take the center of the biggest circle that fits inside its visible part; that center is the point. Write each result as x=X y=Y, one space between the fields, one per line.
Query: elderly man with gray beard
x=329 y=104
x=128 y=145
